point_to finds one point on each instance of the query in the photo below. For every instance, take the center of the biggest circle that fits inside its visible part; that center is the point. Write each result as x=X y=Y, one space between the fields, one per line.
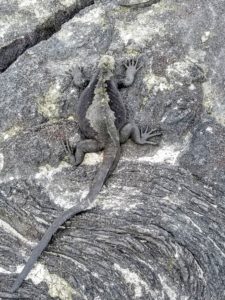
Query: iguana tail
x=110 y=160
x=138 y=5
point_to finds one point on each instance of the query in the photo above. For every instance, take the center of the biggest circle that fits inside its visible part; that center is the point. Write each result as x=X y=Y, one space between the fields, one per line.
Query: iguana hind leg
x=76 y=155
x=139 y=136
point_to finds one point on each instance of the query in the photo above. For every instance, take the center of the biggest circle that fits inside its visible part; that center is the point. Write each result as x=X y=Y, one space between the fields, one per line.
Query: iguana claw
x=69 y=151
x=146 y=135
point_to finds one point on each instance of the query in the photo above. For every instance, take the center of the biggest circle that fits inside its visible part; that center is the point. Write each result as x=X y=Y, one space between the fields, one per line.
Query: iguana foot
x=69 y=151
x=139 y=136
x=132 y=65
x=146 y=135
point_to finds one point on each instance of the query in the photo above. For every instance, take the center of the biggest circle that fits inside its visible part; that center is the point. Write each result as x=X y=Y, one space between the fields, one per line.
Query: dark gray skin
x=139 y=5
x=103 y=122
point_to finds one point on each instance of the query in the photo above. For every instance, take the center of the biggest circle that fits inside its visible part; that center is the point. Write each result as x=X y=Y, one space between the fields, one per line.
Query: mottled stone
x=158 y=231
x=24 y=23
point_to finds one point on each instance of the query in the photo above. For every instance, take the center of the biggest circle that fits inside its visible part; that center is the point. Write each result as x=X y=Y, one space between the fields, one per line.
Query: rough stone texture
x=24 y=23
x=158 y=231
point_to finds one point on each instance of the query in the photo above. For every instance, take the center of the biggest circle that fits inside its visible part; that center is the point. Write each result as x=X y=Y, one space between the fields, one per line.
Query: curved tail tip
x=13 y=288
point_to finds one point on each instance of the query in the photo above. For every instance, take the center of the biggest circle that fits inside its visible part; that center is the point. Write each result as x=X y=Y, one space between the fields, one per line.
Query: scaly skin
x=139 y=5
x=103 y=121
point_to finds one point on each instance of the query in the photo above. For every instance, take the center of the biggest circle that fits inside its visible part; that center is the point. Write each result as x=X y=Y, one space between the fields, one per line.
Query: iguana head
x=107 y=66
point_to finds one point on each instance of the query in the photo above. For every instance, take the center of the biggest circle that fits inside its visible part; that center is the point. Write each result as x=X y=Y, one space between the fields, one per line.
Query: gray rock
x=158 y=231
x=25 y=23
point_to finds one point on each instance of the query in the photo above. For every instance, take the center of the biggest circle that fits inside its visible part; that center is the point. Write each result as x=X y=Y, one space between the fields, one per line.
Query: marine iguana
x=103 y=121
x=138 y=5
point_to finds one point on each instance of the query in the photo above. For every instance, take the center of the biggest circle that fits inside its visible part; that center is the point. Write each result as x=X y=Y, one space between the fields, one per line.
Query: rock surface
x=24 y=23
x=158 y=231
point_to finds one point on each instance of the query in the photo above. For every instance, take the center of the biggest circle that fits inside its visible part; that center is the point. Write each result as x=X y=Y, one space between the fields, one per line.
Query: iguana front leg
x=131 y=70
x=76 y=155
